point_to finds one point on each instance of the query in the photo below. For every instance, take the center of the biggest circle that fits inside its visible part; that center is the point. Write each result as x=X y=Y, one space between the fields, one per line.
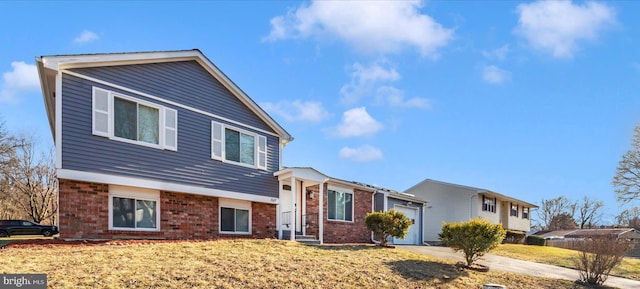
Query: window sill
x=133 y=229
x=339 y=221
x=234 y=233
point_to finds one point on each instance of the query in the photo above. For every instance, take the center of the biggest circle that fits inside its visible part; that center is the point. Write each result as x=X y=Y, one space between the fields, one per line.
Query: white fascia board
x=502 y=197
x=308 y=174
x=107 y=59
x=160 y=185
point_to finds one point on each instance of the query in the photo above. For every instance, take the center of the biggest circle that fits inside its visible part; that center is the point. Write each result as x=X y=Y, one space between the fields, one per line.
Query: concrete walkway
x=505 y=264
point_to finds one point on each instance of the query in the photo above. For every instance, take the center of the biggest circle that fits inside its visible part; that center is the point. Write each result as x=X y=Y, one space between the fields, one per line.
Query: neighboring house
x=344 y=204
x=159 y=145
x=552 y=235
x=617 y=233
x=568 y=238
x=448 y=202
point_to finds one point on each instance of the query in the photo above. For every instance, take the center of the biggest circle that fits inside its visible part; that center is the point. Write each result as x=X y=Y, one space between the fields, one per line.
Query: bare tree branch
x=588 y=212
x=627 y=178
x=550 y=209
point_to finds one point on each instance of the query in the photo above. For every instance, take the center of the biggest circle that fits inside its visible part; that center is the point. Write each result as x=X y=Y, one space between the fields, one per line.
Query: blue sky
x=530 y=99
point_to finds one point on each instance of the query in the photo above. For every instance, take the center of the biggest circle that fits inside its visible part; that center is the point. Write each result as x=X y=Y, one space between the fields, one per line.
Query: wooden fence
x=577 y=244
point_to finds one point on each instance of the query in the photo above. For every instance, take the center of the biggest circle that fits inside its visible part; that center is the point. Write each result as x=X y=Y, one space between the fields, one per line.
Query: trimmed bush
x=535 y=240
x=474 y=238
x=387 y=224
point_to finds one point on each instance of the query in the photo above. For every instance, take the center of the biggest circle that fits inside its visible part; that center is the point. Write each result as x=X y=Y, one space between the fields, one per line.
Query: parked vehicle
x=22 y=227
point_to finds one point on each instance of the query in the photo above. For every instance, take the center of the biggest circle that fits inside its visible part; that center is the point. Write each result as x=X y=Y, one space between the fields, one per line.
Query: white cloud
x=357 y=122
x=558 y=26
x=368 y=26
x=499 y=53
x=364 y=80
x=85 y=37
x=493 y=74
x=365 y=153
x=306 y=111
x=394 y=97
x=23 y=79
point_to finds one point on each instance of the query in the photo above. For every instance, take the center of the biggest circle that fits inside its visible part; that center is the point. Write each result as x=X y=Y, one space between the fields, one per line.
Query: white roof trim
x=477 y=190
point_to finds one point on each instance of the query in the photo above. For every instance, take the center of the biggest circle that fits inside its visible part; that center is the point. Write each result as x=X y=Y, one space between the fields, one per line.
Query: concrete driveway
x=505 y=264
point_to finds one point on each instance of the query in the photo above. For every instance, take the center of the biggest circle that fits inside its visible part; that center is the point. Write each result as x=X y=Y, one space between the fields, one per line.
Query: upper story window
x=238 y=146
x=514 y=210
x=525 y=213
x=488 y=204
x=340 y=206
x=124 y=118
x=135 y=121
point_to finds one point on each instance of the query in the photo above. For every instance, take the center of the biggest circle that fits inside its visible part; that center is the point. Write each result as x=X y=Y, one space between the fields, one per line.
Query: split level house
x=449 y=202
x=159 y=145
x=163 y=145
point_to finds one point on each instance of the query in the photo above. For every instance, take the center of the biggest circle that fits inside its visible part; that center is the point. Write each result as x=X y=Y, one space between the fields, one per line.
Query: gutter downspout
x=471 y=203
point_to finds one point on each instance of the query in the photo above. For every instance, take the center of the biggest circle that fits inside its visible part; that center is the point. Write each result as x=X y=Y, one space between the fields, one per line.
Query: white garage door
x=412 y=237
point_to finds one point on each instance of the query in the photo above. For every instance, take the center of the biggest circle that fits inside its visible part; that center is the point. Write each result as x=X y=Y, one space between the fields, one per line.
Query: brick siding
x=84 y=214
x=349 y=232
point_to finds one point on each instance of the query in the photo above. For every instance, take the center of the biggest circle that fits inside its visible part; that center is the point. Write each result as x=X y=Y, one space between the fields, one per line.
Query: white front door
x=412 y=237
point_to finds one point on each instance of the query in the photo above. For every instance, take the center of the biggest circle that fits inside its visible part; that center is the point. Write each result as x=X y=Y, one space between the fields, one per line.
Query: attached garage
x=410 y=206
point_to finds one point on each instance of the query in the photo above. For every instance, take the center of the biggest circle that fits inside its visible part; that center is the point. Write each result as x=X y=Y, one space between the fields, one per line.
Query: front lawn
x=630 y=267
x=246 y=264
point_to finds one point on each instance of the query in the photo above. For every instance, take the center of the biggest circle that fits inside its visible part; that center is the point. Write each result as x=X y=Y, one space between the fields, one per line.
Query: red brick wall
x=84 y=214
x=349 y=232
x=312 y=206
x=263 y=219
x=83 y=209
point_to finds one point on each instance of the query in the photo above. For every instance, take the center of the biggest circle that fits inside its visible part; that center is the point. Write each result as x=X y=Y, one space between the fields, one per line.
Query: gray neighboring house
x=447 y=202
x=618 y=233
x=159 y=145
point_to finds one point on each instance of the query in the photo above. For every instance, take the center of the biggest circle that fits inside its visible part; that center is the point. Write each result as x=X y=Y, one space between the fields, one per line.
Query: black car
x=21 y=227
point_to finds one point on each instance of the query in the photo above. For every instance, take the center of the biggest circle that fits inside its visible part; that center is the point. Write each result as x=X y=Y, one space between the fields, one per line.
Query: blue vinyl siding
x=192 y=163
x=184 y=82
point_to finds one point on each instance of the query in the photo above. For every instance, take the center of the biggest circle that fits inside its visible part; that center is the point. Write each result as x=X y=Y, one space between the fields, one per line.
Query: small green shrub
x=474 y=238
x=535 y=240
x=387 y=224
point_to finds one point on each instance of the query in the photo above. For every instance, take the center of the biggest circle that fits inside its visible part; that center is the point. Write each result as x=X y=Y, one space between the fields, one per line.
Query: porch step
x=307 y=240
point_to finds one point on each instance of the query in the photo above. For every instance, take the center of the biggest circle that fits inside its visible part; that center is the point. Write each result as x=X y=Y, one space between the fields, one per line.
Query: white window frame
x=528 y=212
x=163 y=125
x=353 y=203
x=238 y=205
x=136 y=194
x=218 y=146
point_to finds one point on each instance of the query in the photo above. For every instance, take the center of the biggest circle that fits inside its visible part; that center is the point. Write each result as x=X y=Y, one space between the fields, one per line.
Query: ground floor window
x=134 y=208
x=235 y=216
x=340 y=205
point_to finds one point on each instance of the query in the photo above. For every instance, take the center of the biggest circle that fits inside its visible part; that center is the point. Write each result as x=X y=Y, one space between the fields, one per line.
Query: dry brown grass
x=247 y=264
